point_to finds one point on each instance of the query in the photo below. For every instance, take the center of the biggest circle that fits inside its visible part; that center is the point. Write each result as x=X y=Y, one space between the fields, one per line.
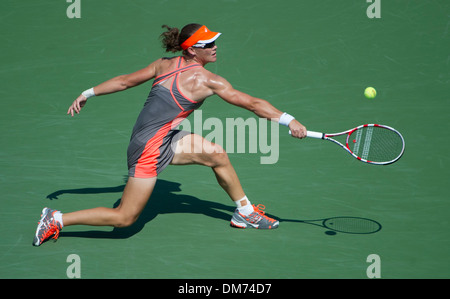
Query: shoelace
x=50 y=229
x=259 y=209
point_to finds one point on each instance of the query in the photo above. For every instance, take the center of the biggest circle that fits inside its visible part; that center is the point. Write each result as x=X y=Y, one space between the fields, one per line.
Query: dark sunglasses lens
x=210 y=45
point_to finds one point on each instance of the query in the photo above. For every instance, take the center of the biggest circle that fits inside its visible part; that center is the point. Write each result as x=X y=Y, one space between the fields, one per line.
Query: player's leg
x=194 y=149
x=135 y=196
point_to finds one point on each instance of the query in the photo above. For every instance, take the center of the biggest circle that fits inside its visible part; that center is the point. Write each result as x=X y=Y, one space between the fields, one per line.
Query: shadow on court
x=343 y=224
x=164 y=200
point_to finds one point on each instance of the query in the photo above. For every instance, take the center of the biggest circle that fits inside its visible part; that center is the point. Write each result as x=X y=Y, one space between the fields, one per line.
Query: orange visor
x=201 y=36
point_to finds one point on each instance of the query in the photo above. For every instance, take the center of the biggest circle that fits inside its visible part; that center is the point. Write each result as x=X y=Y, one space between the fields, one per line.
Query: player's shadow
x=164 y=200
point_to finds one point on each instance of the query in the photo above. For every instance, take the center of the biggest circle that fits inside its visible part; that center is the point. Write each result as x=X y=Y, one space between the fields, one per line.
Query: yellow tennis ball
x=370 y=92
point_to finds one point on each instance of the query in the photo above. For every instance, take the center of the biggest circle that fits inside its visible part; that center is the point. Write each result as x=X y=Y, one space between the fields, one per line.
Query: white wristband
x=285 y=119
x=88 y=93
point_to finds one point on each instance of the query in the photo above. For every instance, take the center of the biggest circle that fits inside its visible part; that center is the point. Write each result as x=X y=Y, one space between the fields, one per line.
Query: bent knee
x=124 y=220
x=218 y=157
x=197 y=150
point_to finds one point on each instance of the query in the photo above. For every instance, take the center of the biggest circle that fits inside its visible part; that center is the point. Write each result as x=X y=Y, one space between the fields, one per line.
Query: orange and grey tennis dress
x=154 y=135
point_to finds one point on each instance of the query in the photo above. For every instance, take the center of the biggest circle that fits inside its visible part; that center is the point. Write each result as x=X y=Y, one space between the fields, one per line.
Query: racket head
x=375 y=144
x=352 y=225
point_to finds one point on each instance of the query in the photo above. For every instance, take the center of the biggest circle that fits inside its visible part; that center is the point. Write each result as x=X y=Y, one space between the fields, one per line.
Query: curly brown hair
x=173 y=37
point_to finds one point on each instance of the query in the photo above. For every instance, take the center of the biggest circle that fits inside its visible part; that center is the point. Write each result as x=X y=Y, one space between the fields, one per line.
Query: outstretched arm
x=260 y=107
x=115 y=84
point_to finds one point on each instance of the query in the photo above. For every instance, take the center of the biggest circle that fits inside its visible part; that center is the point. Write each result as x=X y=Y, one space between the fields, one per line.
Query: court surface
x=310 y=58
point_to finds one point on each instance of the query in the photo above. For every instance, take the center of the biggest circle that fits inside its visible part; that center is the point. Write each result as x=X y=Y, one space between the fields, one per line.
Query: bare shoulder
x=215 y=82
x=162 y=65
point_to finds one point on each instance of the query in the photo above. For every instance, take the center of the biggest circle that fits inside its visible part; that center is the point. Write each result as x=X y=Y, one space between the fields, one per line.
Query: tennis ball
x=370 y=92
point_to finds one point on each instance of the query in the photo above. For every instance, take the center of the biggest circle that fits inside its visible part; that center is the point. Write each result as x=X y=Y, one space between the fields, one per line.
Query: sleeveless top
x=149 y=150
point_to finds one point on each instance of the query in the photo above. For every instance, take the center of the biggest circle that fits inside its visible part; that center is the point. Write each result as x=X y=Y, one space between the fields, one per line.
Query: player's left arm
x=260 y=107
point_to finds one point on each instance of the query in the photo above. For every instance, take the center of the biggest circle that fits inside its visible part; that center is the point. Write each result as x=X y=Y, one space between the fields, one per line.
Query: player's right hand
x=297 y=129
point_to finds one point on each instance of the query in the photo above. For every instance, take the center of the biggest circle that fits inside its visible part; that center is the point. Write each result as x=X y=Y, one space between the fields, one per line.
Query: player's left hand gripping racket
x=370 y=143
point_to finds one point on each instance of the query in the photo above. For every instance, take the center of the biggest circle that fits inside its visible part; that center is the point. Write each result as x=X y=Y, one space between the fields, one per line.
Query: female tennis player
x=180 y=86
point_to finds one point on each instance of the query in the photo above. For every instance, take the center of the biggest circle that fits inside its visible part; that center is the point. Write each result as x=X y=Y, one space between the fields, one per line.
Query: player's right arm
x=260 y=107
x=116 y=84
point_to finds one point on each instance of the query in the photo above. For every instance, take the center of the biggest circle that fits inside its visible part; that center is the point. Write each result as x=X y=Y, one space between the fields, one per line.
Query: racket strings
x=376 y=144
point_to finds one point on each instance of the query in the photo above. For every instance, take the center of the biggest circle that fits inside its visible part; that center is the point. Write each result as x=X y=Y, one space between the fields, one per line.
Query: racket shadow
x=343 y=224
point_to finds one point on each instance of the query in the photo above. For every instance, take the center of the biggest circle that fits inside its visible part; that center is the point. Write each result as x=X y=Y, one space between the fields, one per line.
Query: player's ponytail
x=173 y=37
x=170 y=39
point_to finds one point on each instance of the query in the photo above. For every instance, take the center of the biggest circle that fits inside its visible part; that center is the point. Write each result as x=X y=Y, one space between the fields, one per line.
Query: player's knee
x=209 y=154
x=125 y=220
x=219 y=157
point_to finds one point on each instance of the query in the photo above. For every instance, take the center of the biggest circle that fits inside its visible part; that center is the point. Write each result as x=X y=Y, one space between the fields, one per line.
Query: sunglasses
x=205 y=46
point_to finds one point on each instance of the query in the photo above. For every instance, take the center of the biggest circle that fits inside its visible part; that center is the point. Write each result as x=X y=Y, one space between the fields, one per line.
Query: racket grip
x=312 y=134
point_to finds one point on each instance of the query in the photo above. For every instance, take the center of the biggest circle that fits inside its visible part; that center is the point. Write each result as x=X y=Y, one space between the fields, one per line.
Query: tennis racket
x=370 y=143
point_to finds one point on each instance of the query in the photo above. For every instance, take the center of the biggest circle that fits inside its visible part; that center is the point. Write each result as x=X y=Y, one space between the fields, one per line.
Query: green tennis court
x=310 y=58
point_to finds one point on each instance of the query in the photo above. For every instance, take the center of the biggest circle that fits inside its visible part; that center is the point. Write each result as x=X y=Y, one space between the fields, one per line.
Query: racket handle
x=312 y=134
